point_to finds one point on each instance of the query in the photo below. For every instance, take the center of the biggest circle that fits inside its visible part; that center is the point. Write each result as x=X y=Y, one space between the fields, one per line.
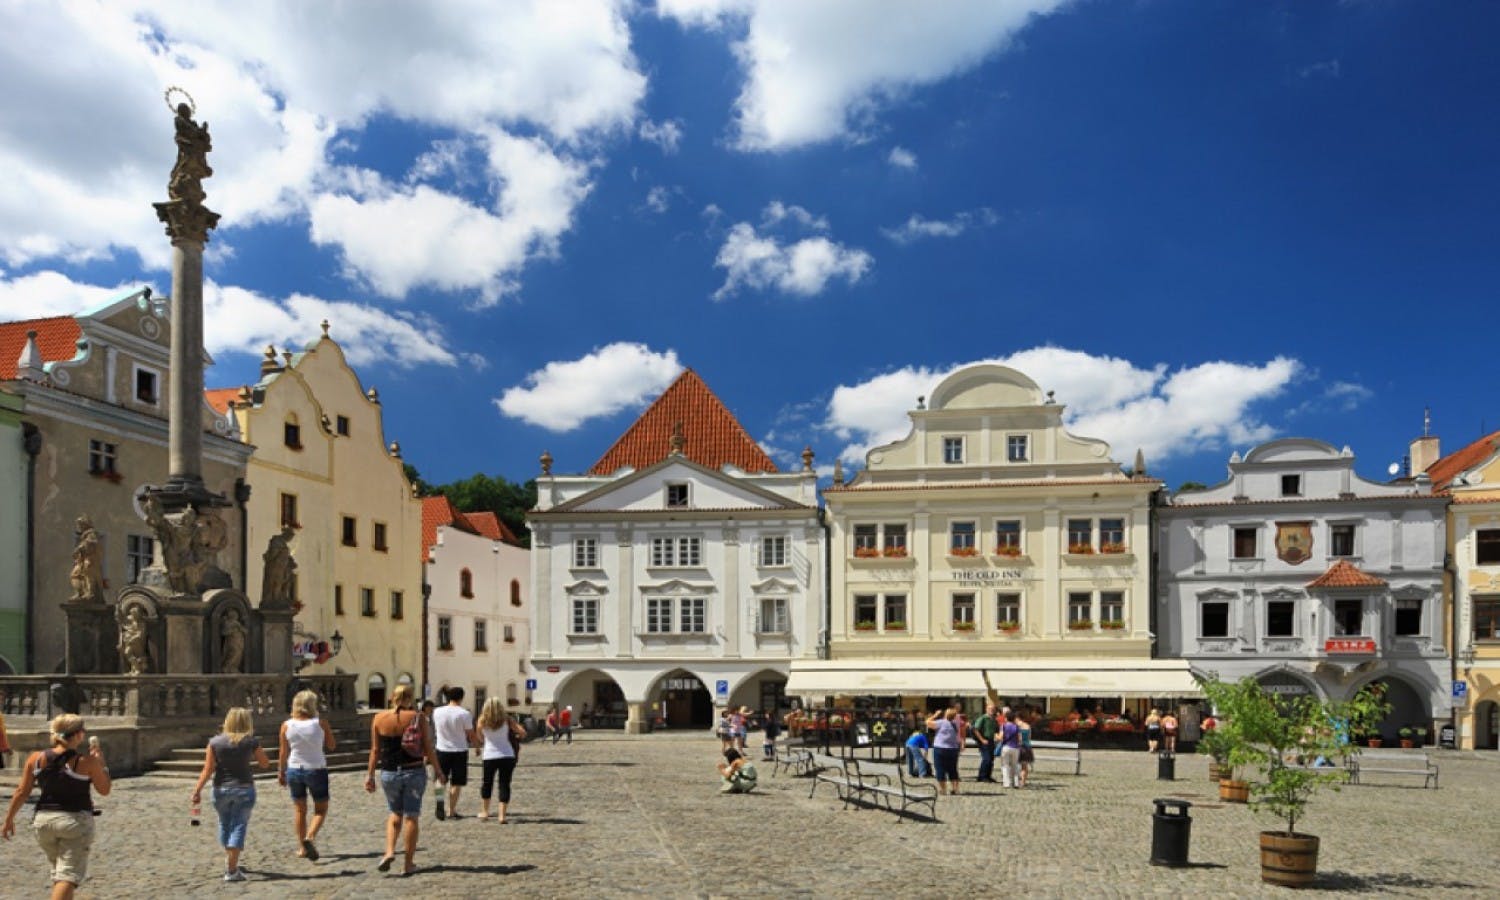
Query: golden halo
x=167 y=96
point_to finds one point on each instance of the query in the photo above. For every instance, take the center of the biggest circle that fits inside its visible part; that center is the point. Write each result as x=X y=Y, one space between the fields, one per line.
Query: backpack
x=411 y=739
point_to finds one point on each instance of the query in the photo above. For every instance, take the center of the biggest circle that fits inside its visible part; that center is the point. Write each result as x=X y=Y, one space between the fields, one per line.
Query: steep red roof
x=712 y=435
x=489 y=525
x=1443 y=471
x=1345 y=574
x=220 y=398
x=56 y=337
x=439 y=511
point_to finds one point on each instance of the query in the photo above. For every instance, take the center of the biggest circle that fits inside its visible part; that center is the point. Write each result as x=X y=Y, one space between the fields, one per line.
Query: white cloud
x=1328 y=68
x=819 y=71
x=561 y=396
x=241 y=321
x=761 y=261
x=1348 y=395
x=666 y=135
x=902 y=158
x=659 y=199
x=1164 y=413
x=917 y=226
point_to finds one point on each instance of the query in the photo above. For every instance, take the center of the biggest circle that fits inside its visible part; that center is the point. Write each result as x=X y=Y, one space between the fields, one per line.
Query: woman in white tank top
x=302 y=767
x=502 y=739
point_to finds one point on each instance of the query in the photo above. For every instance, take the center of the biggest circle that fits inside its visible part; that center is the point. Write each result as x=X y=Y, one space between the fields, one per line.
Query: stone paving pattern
x=619 y=816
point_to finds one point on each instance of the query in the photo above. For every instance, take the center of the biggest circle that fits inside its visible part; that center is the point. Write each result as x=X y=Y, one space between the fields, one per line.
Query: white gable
x=705 y=491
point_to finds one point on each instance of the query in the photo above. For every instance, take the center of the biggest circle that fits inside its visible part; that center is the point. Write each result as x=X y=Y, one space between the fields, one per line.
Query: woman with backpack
x=401 y=745
x=64 y=818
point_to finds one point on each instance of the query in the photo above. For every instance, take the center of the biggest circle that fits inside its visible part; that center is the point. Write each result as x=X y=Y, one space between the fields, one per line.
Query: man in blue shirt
x=917 y=746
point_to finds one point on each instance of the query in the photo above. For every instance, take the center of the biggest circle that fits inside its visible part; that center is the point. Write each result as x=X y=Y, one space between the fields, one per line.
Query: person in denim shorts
x=402 y=775
x=227 y=761
x=303 y=768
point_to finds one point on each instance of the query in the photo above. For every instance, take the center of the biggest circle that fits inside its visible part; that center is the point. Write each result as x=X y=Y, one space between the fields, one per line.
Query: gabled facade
x=94 y=430
x=479 y=605
x=669 y=571
x=323 y=467
x=990 y=547
x=1297 y=571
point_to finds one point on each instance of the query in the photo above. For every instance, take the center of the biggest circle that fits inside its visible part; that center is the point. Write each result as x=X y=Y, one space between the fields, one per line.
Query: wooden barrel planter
x=1234 y=791
x=1288 y=860
x=1214 y=772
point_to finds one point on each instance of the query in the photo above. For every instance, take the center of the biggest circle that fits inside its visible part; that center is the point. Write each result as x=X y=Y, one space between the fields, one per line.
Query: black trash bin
x=1166 y=766
x=1170 y=832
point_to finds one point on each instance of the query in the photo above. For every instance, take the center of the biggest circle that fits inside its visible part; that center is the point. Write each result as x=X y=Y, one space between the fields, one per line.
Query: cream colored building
x=990 y=547
x=322 y=465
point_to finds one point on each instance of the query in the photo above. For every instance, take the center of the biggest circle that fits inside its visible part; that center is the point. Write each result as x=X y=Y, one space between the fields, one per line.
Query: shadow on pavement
x=578 y=765
x=1348 y=881
x=480 y=870
x=514 y=819
x=314 y=876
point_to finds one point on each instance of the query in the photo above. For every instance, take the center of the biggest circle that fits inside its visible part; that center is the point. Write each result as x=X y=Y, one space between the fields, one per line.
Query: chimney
x=1424 y=450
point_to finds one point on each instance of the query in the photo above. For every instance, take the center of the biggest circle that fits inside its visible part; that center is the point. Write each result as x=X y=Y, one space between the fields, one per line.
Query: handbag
x=411 y=738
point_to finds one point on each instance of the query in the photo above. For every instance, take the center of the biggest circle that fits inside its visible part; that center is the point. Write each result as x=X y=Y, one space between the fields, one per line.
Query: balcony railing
x=125 y=699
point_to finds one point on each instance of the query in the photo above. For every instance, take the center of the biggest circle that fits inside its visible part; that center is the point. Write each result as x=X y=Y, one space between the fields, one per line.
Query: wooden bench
x=835 y=771
x=793 y=759
x=887 y=782
x=1059 y=751
x=1393 y=762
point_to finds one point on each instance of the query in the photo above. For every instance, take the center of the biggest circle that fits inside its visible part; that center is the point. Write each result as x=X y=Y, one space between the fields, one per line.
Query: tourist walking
x=1009 y=737
x=551 y=723
x=64 y=817
x=1169 y=731
x=401 y=745
x=1153 y=730
x=302 y=768
x=773 y=730
x=227 y=761
x=944 y=726
x=454 y=727
x=564 y=725
x=726 y=731
x=501 y=738
x=984 y=733
x=738 y=724
x=917 y=746
x=1027 y=756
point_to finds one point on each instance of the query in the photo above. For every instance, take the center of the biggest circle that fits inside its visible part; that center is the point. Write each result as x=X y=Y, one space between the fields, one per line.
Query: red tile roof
x=56 y=337
x=712 y=435
x=1345 y=574
x=1443 y=471
x=489 y=525
x=438 y=511
x=220 y=398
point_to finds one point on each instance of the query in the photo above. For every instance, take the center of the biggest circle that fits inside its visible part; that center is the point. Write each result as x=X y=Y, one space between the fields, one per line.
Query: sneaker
x=236 y=875
x=441 y=812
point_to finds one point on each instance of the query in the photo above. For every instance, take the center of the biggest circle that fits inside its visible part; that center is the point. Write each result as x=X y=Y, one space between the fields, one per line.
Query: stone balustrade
x=165 y=699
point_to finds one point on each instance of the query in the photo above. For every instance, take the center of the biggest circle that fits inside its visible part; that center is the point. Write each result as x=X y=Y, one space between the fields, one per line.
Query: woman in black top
x=64 y=820
x=401 y=773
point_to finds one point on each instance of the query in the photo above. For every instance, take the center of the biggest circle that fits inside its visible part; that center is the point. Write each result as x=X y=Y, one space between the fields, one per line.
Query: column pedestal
x=635 y=718
x=183 y=654
x=89 y=643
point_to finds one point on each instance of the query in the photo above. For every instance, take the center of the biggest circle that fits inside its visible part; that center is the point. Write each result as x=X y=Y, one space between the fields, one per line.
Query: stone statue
x=135 y=653
x=193 y=146
x=232 y=646
x=87 y=575
x=176 y=541
x=279 y=578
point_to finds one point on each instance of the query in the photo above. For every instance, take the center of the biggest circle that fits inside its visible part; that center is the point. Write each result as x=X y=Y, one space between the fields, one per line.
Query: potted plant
x=1375 y=741
x=1009 y=627
x=866 y=552
x=1406 y=734
x=895 y=553
x=1421 y=734
x=1112 y=547
x=1228 y=747
x=1215 y=745
x=1112 y=624
x=895 y=626
x=1081 y=625
x=864 y=626
x=963 y=626
x=1081 y=549
x=963 y=551
x=1008 y=550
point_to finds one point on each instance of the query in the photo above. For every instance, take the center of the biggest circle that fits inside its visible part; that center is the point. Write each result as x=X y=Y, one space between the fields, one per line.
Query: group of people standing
x=1002 y=733
x=1161 y=731
x=739 y=775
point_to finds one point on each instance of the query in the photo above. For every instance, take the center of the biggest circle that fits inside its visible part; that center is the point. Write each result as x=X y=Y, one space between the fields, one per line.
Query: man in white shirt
x=454 y=729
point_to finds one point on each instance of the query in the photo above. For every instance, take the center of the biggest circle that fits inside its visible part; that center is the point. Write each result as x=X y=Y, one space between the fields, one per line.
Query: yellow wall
x=1475 y=507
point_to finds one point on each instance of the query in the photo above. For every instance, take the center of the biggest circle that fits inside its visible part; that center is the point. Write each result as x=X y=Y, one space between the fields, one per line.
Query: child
x=917 y=746
x=773 y=728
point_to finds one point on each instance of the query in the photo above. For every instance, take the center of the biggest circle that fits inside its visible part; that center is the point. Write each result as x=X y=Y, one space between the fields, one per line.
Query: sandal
x=309 y=850
x=385 y=863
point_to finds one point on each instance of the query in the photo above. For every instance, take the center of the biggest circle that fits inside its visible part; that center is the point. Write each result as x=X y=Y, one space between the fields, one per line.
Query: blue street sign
x=721 y=690
x=531 y=684
x=1460 y=690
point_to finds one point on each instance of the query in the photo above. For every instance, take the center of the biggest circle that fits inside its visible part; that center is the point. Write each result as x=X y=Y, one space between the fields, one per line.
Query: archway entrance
x=1407 y=709
x=376 y=687
x=596 y=699
x=1487 y=726
x=1286 y=684
x=685 y=702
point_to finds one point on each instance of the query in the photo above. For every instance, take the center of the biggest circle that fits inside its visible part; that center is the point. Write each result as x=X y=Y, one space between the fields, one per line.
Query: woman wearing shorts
x=227 y=761
x=500 y=737
x=402 y=774
x=944 y=726
x=303 y=768
x=1169 y=731
x=64 y=818
x=1153 y=730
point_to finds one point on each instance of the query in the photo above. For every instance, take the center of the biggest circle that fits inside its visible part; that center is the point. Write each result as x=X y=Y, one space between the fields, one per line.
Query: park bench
x=1059 y=751
x=888 y=782
x=1393 y=762
x=835 y=771
x=793 y=759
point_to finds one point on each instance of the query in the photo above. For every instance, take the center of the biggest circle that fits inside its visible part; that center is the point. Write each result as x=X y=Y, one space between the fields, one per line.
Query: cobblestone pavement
x=616 y=816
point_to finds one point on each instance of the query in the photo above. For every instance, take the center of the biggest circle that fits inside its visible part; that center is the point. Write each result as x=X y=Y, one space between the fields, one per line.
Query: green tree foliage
x=424 y=489
x=479 y=492
x=1191 y=486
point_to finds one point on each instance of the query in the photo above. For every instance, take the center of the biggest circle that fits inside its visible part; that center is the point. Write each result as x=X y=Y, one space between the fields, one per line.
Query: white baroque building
x=682 y=573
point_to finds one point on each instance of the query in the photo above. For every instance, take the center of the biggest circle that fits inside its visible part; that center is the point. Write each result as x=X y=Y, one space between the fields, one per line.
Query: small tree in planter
x=1232 y=702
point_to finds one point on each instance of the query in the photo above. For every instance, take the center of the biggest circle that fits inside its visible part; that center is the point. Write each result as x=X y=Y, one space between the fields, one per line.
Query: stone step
x=189 y=768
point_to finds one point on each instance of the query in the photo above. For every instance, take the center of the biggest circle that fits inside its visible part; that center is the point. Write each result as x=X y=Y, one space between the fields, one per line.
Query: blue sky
x=1204 y=224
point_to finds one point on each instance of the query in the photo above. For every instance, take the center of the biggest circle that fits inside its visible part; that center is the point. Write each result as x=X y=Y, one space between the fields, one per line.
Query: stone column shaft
x=185 y=405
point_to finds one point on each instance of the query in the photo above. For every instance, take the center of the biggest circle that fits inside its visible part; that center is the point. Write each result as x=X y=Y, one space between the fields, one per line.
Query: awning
x=1009 y=678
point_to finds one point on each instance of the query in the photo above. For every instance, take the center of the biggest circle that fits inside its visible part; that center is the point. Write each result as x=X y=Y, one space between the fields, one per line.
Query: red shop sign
x=1349 y=645
x=553 y=670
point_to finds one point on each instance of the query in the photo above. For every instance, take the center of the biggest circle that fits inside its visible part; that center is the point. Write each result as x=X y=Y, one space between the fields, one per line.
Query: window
x=291 y=435
x=510 y=634
x=895 y=611
x=1213 y=619
x=1348 y=618
x=1281 y=618
x=379 y=538
x=677 y=496
x=139 y=551
x=1244 y=543
x=1016 y=447
x=1080 y=535
x=961 y=537
x=692 y=615
x=1080 y=610
x=515 y=592
x=145 y=386
x=963 y=612
x=864 y=612
x=585 y=553
x=445 y=633
x=773 y=551
x=1408 y=616
x=658 y=615
x=398 y=604
x=1008 y=611
x=348 y=532
x=867 y=538
x=289 y=511
x=585 y=615
x=341 y=425
x=367 y=601
x=338 y=599
x=1008 y=537
x=1112 y=607
x=1291 y=485
x=1111 y=535
x=676 y=552
x=1486 y=619
x=481 y=639
x=773 y=615
x=953 y=449
x=1341 y=540
x=895 y=540
x=662 y=551
x=465 y=583
x=102 y=458
x=1487 y=547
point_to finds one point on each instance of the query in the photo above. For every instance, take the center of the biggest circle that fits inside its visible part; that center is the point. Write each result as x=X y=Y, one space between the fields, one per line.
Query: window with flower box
x=1008 y=537
x=103 y=459
x=894 y=539
x=895 y=612
x=1080 y=611
x=963 y=612
x=1008 y=612
x=866 y=608
x=1111 y=610
x=961 y=539
x=1080 y=535
x=1111 y=535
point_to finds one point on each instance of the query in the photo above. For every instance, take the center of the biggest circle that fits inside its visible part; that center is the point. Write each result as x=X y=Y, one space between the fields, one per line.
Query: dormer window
x=1291 y=485
x=953 y=450
x=677 y=496
x=341 y=425
x=291 y=434
x=147 y=385
x=1017 y=448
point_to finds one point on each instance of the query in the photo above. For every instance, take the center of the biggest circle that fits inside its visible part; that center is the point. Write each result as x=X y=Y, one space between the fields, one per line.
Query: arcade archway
x=1487 y=726
x=681 y=700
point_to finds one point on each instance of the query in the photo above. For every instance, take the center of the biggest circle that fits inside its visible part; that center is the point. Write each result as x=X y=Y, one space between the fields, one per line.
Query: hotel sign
x=981 y=577
x=1349 y=645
